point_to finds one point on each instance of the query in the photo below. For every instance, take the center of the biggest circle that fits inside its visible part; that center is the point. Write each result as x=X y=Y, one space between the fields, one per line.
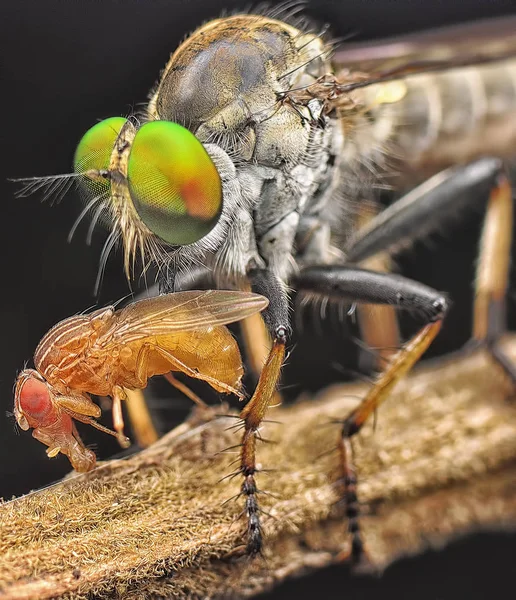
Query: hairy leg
x=359 y=285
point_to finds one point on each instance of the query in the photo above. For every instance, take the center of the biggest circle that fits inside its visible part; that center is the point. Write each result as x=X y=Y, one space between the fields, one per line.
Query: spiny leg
x=276 y=320
x=438 y=201
x=400 y=364
x=360 y=285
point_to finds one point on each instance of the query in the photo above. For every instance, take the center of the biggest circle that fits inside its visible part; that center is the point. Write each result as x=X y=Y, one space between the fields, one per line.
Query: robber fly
x=259 y=139
x=108 y=352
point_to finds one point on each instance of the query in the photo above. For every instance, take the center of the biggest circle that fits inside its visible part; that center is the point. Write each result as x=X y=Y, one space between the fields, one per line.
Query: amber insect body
x=108 y=351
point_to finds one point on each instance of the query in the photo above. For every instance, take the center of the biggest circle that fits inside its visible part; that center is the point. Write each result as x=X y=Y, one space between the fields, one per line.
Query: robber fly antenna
x=54 y=186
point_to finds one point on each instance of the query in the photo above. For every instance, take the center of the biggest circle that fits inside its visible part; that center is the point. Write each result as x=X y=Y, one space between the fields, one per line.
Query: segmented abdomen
x=436 y=120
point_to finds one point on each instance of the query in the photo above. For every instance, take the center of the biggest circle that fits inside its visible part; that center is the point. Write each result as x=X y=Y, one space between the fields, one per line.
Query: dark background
x=67 y=64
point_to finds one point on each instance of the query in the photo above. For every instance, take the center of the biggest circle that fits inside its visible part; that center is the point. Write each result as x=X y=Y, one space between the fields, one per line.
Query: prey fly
x=109 y=353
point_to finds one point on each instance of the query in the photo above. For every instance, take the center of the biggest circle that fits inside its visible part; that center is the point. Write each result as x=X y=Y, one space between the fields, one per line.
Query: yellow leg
x=494 y=257
x=252 y=416
x=141 y=422
x=118 y=417
x=378 y=323
x=256 y=341
x=399 y=365
x=493 y=273
x=185 y=390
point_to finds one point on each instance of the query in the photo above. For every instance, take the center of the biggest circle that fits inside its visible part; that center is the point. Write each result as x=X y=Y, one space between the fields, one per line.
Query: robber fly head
x=162 y=186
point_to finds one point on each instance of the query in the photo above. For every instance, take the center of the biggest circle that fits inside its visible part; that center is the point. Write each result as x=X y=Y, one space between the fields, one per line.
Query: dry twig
x=441 y=462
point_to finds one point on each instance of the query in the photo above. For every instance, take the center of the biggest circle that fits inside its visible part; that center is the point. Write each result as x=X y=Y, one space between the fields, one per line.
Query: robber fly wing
x=183 y=311
x=364 y=64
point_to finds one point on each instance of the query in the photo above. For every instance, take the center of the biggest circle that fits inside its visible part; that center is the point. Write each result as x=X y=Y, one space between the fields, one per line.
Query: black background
x=67 y=64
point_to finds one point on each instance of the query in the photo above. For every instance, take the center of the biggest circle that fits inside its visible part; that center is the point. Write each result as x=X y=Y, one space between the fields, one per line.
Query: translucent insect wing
x=444 y=48
x=182 y=311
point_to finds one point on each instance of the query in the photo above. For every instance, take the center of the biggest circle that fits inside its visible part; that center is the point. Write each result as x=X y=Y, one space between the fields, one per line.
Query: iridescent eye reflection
x=96 y=146
x=173 y=182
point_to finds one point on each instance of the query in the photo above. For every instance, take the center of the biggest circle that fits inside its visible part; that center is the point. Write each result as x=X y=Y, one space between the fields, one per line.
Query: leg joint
x=439 y=308
x=350 y=427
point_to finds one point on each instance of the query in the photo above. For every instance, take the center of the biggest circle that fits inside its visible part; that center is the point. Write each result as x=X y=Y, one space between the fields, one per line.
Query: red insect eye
x=35 y=398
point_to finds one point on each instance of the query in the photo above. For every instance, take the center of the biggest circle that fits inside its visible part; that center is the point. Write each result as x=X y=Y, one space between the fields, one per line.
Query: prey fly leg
x=438 y=201
x=367 y=287
x=144 y=431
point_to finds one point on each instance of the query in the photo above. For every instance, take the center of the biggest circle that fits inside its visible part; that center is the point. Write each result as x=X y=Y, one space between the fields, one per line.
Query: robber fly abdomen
x=437 y=120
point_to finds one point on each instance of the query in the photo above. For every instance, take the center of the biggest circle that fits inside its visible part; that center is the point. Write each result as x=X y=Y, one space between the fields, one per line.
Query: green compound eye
x=174 y=184
x=96 y=146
